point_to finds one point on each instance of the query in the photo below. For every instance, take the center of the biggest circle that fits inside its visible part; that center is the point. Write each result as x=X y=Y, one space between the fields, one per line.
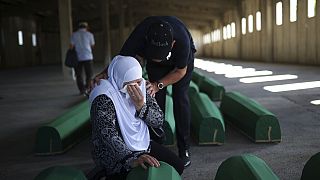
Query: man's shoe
x=185 y=157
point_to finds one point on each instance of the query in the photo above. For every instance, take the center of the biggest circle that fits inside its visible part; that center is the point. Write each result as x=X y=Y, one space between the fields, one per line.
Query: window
x=224 y=32
x=293 y=10
x=311 y=8
x=228 y=31
x=212 y=36
x=206 y=38
x=20 y=38
x=250 y=23
x=34 y=40
x=218 y=35
x=258 y=21
x=243 y=25
x=279 y=13
x=233 y=29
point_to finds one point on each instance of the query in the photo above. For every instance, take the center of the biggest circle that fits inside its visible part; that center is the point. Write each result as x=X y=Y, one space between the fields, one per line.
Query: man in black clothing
x=166 y=46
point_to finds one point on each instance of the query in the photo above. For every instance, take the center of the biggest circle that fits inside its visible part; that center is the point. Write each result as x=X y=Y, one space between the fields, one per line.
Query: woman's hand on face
x=136 y=96
x=145 y=158
x=152 y=88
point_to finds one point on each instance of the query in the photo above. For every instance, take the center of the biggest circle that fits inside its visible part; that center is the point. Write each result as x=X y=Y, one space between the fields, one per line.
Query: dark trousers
x=162 y=153
x=87 y=66
x=181 y=104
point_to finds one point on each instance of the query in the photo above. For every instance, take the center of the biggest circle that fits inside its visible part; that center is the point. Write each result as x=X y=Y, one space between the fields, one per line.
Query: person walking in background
x=83 y=42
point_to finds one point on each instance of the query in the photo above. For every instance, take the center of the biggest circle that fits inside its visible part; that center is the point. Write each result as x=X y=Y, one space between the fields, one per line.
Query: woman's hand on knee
x=145 y=158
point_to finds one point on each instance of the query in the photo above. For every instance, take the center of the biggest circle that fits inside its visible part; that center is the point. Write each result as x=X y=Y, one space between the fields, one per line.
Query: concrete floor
x=30 y=97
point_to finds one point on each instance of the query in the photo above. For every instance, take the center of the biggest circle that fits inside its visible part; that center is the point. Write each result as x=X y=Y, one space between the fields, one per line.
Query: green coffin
x=197 y=77
x=206 y=122
x=212 y=88
x=245 y=167
x=193 y=86
x=144 y=72
x=311 y=169
x=164 y=172
x=169 y=123
x=259 y=124
x=64 y=131
x=169 y=90
x=60 y=173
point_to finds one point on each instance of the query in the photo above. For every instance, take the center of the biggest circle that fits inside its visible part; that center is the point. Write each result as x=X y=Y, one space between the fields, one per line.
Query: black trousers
x=87 y=66
x=162 y=153
x=181 y=104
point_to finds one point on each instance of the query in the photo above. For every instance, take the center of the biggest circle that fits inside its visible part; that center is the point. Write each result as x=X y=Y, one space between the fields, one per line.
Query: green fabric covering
x=212 y=88
x=60 y=173
x=169 y=90
x=193 y=86
x=169 y=123
x=64 y=131
x=245 y=167
x=259 y=124
x=164 y=172
x=144 y=72
x=311 y=169
x=206 y=122
x=197 y=77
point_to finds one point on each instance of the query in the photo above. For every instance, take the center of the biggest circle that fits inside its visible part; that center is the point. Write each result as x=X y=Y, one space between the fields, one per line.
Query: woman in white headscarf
x=120 y=112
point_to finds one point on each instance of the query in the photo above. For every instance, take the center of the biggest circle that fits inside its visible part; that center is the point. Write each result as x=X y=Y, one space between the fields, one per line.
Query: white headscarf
x=134 y=130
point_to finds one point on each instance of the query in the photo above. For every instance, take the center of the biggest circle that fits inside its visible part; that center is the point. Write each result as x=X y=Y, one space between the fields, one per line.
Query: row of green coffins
x=250 y=117
x=242 y=167
x=207 y=123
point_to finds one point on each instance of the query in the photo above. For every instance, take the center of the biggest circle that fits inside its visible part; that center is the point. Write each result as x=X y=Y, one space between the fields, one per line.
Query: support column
x=130 y=15
x=65 y=22
x=105 y=14
x=121 y=22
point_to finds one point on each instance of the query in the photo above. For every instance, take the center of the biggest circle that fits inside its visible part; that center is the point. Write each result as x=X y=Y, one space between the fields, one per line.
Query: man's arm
x=172 y=77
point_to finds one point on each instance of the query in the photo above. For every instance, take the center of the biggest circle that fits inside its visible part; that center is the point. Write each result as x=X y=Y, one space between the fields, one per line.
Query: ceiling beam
x=189 y=22
x=216 y=5
x=180 y=14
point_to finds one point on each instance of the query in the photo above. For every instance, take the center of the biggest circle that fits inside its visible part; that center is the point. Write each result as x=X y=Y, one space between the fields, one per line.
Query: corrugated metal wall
x=13 y=54
x=292 y=42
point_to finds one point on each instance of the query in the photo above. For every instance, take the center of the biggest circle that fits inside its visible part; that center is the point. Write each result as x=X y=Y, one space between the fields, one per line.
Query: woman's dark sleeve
x=151 y=112
x=109 y=150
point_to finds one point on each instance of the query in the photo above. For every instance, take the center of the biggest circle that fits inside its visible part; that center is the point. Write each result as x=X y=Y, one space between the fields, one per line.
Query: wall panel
x=292 y=42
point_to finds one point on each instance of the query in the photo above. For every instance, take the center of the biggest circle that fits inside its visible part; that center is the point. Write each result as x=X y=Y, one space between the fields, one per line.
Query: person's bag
x=71 y=58
x=157 y=134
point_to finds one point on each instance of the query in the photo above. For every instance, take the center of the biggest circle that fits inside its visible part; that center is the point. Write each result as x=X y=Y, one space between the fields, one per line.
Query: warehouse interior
x=277 y=40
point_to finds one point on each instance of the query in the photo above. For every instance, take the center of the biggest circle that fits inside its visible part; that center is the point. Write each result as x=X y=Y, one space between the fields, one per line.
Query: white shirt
x=83 y=40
